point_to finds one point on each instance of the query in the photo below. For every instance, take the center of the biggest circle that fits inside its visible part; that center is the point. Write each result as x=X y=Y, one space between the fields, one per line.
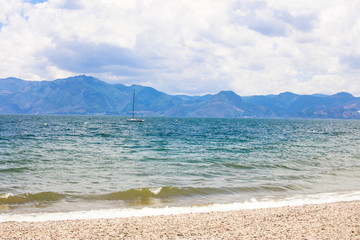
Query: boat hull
x=135 y=120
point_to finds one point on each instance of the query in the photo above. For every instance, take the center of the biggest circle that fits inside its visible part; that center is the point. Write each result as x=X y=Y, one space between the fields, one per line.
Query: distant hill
x=89 y=95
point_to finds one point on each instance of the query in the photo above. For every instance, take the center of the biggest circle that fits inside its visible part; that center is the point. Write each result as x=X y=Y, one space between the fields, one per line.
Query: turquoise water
x=68 y=163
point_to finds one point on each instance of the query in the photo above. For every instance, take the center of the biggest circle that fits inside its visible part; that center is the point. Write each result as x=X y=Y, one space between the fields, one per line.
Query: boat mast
x=133 y=109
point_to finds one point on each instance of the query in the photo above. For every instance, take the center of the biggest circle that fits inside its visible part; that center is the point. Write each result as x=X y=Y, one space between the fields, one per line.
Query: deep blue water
x=65 y=163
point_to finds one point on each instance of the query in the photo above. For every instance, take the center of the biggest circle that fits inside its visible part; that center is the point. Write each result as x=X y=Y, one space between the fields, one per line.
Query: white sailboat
x=133 y=119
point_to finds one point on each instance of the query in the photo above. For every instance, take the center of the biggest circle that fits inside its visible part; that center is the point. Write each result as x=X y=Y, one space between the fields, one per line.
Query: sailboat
x=133 y=119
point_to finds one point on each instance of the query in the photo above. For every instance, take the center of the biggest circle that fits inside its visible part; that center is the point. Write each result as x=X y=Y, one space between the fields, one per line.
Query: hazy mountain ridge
x=89 y=95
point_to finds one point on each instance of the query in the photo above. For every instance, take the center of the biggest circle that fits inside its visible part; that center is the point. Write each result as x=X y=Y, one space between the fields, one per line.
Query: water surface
x=68 y=163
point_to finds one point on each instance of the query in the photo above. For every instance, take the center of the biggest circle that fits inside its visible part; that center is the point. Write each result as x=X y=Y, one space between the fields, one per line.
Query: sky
x=191 y=47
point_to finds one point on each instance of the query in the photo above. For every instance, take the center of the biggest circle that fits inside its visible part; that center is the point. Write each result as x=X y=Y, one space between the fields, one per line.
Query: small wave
x=275 y=166
x=6 y=195
x=156 y=193
x=132 y=194
x=16 y=170
x=238 y=166
x=162 y=193
x=230 y=150
x=104 y=135
x=126 y=195
x=257 y=166
x=25 y=136
x=8 y=198
x=145 y=196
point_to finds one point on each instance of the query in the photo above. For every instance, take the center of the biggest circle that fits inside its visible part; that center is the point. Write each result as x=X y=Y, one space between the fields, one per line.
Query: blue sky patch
x=1 y=26
x=37 y=1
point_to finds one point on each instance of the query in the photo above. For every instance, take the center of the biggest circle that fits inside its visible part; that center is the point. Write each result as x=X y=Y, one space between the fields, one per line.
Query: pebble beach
x=323 y=221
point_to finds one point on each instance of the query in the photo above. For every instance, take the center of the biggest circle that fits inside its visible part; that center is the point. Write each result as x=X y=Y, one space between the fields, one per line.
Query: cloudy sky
x=188 y=46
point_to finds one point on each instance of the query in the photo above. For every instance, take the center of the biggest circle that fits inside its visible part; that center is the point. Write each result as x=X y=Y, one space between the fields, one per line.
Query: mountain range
x=86 y=95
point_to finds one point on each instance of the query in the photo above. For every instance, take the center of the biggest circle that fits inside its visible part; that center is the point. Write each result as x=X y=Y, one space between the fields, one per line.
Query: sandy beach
x=325 y=221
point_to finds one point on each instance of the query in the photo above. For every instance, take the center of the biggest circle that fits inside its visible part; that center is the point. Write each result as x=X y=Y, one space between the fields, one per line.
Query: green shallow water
x=48 y=162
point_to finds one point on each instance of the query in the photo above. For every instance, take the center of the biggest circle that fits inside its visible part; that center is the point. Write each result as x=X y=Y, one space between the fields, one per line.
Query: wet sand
x=324 y=221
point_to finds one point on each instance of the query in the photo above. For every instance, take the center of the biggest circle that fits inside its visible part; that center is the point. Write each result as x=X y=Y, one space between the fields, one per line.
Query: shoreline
x=339 y=220
x=112 y=213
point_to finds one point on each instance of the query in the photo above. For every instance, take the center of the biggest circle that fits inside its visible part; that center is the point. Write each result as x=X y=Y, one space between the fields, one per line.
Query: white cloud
x=193 y=47
x=9 y=8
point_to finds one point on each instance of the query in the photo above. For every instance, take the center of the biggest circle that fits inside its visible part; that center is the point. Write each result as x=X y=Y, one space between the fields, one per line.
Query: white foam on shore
x=296 y=200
